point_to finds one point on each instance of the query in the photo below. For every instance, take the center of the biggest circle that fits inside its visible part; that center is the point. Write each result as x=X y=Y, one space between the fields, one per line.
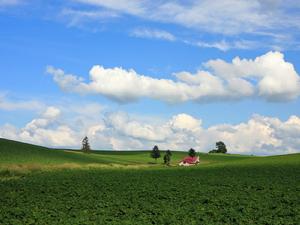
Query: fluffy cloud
x=276 y=79
x=259 y=135
x=185 y=122
x=121 y=123
x=45 y=130
x=268 y=76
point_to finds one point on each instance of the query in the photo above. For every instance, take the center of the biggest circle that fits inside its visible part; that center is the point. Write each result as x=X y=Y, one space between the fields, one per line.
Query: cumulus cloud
x=185 y=122
x=153 y=34
x=121 y=123
x=276 y=79
x=268 y=76
x=120 y=131
x=259 y=135
x=44 y=130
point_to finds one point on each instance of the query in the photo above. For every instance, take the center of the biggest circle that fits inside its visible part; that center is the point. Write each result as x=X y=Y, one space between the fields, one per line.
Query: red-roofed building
x=189 y=161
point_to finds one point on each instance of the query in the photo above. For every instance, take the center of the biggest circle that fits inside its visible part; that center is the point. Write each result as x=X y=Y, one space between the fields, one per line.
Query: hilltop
x=14 y=152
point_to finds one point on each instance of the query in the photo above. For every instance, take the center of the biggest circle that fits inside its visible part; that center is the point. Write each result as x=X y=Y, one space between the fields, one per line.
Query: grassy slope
x=13 y=152
x=224 y=189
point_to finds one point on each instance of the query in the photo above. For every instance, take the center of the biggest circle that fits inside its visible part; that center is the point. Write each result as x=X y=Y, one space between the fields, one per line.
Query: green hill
x=96 y=188
x=18 y=153
x=17 y=157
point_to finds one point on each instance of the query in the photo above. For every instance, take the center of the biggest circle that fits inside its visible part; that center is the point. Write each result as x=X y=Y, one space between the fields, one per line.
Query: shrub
x=155 y=153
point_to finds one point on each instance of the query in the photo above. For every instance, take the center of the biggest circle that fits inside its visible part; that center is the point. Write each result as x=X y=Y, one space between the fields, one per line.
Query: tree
x=167 y=157
x=220 y=148
x=85 y=145
x=213 y=151
x=155 y=153
x=192 y=152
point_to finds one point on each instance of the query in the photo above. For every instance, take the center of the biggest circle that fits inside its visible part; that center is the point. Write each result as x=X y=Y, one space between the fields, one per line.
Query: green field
x=50 y=186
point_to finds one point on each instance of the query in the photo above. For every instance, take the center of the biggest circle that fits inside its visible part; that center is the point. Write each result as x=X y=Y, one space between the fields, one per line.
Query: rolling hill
x=18 y=153
x=39 y=185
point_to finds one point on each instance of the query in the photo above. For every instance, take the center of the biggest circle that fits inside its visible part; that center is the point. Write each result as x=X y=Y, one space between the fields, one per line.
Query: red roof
x=190 y=160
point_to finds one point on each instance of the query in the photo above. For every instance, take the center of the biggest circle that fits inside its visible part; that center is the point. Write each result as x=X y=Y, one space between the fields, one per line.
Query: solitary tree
x=192 y=152
x=155 y=153
x=220 y=148
x=167 y=157
x=85 y=145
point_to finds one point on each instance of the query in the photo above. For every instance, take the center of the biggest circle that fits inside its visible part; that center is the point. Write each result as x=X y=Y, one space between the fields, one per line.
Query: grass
x=67 y=187
x=13 y=152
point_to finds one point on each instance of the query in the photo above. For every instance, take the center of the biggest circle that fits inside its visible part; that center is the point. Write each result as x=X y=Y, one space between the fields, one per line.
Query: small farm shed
x=189 y=161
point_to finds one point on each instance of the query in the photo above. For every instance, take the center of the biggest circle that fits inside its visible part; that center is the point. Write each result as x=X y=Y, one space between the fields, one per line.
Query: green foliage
x=213 y=151
x=167 y=157
x=155 y=153
x=192 y=152
x=85 y=145
x=220 y=148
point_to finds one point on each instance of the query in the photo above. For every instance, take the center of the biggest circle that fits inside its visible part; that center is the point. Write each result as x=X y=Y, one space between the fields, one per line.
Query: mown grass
x=123 y=188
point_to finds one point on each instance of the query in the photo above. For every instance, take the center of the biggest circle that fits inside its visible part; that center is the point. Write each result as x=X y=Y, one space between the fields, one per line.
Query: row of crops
x=260 y=194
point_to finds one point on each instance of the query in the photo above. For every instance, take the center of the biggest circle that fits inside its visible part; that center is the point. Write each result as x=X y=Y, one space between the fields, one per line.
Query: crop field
x=47 y=186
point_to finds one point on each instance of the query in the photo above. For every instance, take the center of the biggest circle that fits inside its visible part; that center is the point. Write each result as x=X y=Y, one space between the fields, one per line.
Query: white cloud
x=51 y=112
x=12 y=105
x=274 y=23
x=259 y=135
x=121 y=123
x=120 y=85
x=185 y=122
x=226 y=45
x=78 y=17
x=276 y=79
x=268 y=76
x=153 y=34
x=134 y=7
x=227 y=17
x=44 y=130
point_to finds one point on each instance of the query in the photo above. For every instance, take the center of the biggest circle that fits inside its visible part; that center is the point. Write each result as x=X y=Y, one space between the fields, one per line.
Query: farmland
x=40 y=185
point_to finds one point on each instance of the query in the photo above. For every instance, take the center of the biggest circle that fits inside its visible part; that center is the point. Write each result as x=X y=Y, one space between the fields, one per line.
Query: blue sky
x=131 y=74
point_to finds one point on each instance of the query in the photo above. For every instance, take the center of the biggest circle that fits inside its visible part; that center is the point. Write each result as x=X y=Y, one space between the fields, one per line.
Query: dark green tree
x=213 y=151
x=86 y=148
x=192 y=152
x=167 y=157
x=221 y=147
x=155 y=153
